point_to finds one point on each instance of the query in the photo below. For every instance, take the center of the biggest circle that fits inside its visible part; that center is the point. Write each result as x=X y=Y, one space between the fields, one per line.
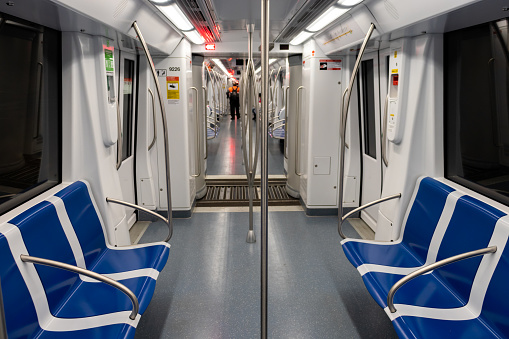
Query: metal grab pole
x=247 y=128
x=265 y=178
x=165 y=129
x=344 y=115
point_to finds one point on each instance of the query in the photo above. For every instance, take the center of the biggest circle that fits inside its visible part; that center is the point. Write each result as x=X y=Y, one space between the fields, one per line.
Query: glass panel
x=477 y=108
x=127 y=120
x=30 y=85
x=368 y=107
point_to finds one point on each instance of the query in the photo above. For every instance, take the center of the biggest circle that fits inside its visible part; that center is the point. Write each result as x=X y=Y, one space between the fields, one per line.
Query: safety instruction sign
x=330 y=65
x=128 y=86
x=108 y=59
x=172 y=88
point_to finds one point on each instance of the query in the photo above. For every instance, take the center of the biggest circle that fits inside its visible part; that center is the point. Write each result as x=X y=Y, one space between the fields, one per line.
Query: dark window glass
x=368 y=107
x=477 y=108
x=127 y=128
x=30 y=86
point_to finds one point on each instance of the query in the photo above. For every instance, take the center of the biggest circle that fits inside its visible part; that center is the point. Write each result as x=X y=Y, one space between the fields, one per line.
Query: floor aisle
x=210 y=287
x=225 y=152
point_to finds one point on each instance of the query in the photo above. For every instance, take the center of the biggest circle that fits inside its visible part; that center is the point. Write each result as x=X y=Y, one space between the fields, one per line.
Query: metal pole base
x=251 y=237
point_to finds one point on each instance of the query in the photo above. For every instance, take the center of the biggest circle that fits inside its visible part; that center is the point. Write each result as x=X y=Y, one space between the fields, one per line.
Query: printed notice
x=172 y=88
x=128 y=86
x=330 y=65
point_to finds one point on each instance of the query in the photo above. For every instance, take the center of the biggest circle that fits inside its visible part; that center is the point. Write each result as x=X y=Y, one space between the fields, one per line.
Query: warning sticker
x=172 y=88
x=330 y=65
x=128 y=86
x=108 y=59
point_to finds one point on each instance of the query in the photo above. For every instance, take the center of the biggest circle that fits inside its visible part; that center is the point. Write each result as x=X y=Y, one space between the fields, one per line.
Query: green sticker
x=108 y=57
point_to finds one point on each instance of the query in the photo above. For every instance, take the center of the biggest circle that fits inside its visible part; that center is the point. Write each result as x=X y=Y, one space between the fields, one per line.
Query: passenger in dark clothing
x=233 y=95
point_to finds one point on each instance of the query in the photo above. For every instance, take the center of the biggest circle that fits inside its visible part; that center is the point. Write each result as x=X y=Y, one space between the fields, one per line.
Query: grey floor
x=225 y=152
x=210 y=287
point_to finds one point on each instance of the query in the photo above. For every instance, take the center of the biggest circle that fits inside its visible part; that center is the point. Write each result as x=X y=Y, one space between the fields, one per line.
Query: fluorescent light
x=177 y=17
x=219 y=64
x=349 y=3
x=303 y=36
x=195 y=37
x=271 y=61
x=326 y=18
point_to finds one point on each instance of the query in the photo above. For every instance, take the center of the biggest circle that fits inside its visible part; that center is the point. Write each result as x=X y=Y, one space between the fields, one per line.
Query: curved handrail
x=360 y=208
x=83 y=271
x=169 y=221
x=139 y=208
x=153 y=119
x=198 y=139
x=119 y=135
x=383 y=135
x=343 y=119
x=431 y=267
x=342 y=105
x=297 y=133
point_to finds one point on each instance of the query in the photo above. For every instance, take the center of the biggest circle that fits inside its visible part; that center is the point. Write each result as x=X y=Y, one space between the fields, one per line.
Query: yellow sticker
x=395 y=54
x=395 y=71
x=172 y=84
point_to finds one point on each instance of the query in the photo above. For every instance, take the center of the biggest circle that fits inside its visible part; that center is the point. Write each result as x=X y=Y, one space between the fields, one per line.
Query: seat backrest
x=44 y=237
x=43 y=228
x=20 y=314
x=82 y=213
x=495 y=308
x=470 y=228
x=425 y=211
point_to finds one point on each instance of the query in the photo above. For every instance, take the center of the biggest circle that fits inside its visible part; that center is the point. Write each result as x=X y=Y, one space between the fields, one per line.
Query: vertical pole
x=264 y=174
x=246 y=120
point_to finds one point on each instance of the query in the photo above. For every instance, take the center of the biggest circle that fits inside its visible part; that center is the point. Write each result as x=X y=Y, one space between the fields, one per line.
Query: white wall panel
x=320 y=126
x=178 y=117
x=84 y=154
x=420 y=151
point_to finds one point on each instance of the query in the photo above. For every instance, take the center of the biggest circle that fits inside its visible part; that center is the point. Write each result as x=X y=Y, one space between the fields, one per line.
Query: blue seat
x=66 y=227
x=441 y=223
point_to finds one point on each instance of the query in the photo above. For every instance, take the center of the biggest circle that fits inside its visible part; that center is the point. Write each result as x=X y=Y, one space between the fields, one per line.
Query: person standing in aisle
x=233 y=95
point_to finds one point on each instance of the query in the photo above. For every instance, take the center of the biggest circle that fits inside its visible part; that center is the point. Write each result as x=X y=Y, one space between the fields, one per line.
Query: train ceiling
x=287 y=17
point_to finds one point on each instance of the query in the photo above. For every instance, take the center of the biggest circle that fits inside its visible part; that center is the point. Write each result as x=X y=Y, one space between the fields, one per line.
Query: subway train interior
x=313 y=165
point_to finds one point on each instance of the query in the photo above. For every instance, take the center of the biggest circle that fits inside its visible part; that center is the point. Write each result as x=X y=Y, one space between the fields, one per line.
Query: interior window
x=477 y=108
x=127 y=128
x=368 y=107
x=30 y=86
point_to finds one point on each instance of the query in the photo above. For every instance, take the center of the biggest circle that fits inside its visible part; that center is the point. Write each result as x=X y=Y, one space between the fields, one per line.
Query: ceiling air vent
x=311 y=10
x=202 y=15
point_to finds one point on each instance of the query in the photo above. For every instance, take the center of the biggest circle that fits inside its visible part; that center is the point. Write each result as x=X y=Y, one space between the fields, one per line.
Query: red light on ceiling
x=231 y=71
x=210 y=47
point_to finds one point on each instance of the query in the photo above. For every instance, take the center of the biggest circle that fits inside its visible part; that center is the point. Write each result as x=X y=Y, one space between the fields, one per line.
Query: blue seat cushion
x=416 y=327
x=110 y=331
x=426 y=290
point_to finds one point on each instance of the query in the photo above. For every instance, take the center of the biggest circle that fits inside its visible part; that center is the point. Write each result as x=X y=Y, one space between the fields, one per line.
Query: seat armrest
x=431 y=267
x=93 y=275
